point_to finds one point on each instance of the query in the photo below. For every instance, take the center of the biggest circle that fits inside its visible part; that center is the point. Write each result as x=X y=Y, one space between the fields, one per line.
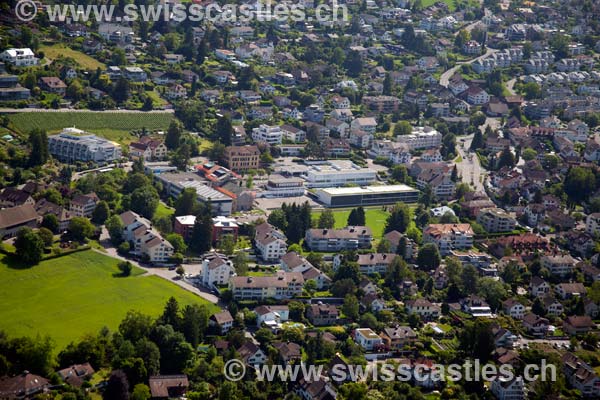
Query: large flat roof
x=368 y=190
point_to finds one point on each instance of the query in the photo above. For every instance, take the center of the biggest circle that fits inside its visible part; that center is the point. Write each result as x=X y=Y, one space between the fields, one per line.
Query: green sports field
x=70 y=296
x=375 y=219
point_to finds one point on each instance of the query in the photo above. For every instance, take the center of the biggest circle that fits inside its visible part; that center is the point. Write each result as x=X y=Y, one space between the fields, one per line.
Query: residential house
x=423 y=307
x=84 y=205
x=22 y=386
x=222 y=320
x=535 y=325
x=538 y=287
x=578 y=325
x=449 y=236
x=513 y=308
x=217 y=269
x=289 y=352
x=398 y=337
x=168 y=386
x=322 y=314
x=570 y=290
x=270 y=242
x=251 y=354
x=559 y=264
x=367 y=339
x=581 y=376
x=508 y=389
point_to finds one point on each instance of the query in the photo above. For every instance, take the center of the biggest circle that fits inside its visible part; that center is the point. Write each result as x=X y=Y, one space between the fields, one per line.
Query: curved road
x=160 y=272
x=448 y=74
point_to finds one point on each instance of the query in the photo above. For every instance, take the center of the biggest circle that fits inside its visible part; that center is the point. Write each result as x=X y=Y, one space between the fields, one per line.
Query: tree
x=477 y=142
x=117 y=387
x=507 y=158
x=470 y=279
x=224 y=130
x=38 y=141
x=326 y=220
x=350 y=308
x=528 y=154
x=429 y=257
x=227 y=244
x=81 y=229
x=29 y=246
x=144 y=201
x=202 y=52
x=399 y=173
x=194 y=323
x=50 y=221
x=277 y=218
x=402 y=128
x=177 y=241
x=200 y=240
x=357 y=217
x=125 y=267
x=135 y=326
x=399 y=218
x=115 y=227
x=180 y=271
x=140 y=392
x=170 y=315
x=101 y=212
x=493 y=291
x=532 y=91
x=240 y=263
x=120 y=92
x=384 y=246
x=46 y=235
x=354 y=64
x=387 y=85
x=173 y=136
x=187 y=202
x=579 y=184
x=75 y=91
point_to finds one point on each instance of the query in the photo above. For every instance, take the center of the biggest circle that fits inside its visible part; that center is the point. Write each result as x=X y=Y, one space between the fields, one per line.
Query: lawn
x=55 y=51
x=375 y=219
x=113 y=126
x=163 y=210
x=70 y=296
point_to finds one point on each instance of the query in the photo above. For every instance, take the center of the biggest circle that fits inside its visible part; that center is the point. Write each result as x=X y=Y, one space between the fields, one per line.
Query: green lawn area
x=70 y=296
x=163 y=210
x=57 y=50
x=375 y=218
x=113 y=126
x=157 y=101
x=450 y=3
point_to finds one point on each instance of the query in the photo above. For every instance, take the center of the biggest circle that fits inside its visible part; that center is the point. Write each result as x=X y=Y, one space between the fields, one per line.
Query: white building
x=338 y=173
x=76 y=145
x=268 y=134
x=283 y=285
x=448 y=237
x=505 y=389
x=270 y=242
x=421 y=138
x=147 y=242
x=19 y=57
x=367 y=339
x=592 y=224
x=496 y=220
x=216 y=269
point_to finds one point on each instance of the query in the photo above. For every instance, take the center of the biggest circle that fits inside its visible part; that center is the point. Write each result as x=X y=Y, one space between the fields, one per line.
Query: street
x=445 y=77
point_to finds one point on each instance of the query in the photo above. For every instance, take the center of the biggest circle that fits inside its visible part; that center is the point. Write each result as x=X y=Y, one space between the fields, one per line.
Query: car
x=172 y=268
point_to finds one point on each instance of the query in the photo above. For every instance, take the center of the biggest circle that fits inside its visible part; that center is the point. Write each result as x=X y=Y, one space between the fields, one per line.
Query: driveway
x=164 y=273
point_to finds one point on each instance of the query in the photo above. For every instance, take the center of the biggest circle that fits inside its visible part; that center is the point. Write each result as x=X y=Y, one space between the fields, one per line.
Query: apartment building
x=496 y=220
x=559 y=264
x=217 y=269
x=283 y=285
x=84 y=205
x=375 y=263
x=270 y=242
x=147 y=242
x=242 y=158
x=348 y=238
x=148 y=148
x=271 y=135
x=19 y=57
x=422 y=307
x=508 y=389
x=381 y=104
x=592 y=224
x=421 y=138
x=448 y=237
x=73 y=145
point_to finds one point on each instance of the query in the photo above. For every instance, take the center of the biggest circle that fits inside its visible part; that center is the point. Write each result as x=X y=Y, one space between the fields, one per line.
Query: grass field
x=163 y=210
x=113 y=126
x=55 y=51
x=70 y=296
x=375 y=219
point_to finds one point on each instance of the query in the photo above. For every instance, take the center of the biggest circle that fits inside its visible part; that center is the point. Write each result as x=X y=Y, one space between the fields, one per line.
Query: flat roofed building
x=496 y=220
x=367 y=196
x=76 y=145
x=421 y=138
x=338 y=173
x=242 y=158
x=279 y=186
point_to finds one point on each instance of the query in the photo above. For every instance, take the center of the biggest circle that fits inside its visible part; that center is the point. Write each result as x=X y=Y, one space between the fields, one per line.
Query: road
x=469 y=168
x=72 y=110
x=510 y=86
x=164 y=273
x=448 y=74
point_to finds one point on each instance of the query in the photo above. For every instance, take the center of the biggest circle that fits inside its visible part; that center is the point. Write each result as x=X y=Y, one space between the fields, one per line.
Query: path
x=469 y=168
x=160 y=272
x=510 y=86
